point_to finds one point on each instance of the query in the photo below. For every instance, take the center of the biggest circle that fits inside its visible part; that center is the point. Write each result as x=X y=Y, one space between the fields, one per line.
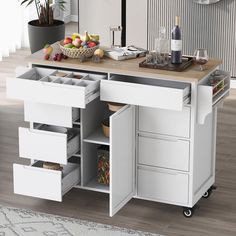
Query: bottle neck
x=177 y=20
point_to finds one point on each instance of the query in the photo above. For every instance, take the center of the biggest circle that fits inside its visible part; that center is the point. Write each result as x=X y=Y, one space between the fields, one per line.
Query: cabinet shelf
x=93 y=185
x=97 y=137
x=76 y=122
x=77 y=154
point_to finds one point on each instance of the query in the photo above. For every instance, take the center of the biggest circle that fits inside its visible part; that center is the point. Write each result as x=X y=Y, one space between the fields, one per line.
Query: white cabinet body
x=161 y=144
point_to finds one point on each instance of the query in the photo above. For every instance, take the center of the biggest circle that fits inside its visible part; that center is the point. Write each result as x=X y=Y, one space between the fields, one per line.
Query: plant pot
x=40 y=35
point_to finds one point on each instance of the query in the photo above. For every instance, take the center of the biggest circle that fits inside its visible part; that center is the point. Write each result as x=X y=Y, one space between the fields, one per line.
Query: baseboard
x=74 y=18
x=67 y=19
x=233 y=83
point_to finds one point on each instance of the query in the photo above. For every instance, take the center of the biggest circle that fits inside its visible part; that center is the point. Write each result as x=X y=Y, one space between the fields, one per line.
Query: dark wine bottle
x=176 y=43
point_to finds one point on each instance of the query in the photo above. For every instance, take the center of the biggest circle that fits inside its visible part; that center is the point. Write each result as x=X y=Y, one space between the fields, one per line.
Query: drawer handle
x=50 y=133
x=165 y=139
x=158 y=171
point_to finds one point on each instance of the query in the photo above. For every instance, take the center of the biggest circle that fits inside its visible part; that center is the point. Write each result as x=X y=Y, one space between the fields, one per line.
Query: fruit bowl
x=77 y=52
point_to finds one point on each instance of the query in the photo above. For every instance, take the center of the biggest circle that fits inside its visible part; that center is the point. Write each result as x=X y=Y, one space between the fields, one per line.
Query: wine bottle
x=176 y=43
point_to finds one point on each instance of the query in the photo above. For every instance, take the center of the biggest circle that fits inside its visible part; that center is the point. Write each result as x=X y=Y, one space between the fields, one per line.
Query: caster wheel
x=207 y=194
x=188 y=212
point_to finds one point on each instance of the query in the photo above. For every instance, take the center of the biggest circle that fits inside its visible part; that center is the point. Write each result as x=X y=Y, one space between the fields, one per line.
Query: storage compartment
x=146 y=92
x=163 y=186
x=48 y=143
x=45 y=88
x=219 y=81
x=103 y=165
x=161 y=152
x=39 y=182
x=94 y=175
x=212 y=91
x=51 y=114
x=160 y=121
x=33 y=73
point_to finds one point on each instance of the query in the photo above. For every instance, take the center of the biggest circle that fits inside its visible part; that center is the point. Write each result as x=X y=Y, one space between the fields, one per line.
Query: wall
x=205 y=26
x=74 y=10
x=96 y=16
x=74 y=7
x=136 y=23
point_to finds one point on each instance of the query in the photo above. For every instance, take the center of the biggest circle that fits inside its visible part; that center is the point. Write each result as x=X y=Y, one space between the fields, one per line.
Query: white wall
x=136 y=23
x=96 y=16
x=74 y=7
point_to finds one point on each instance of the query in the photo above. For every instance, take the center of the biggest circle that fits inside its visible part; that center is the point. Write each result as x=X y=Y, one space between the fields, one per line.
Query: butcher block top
x=127 y=67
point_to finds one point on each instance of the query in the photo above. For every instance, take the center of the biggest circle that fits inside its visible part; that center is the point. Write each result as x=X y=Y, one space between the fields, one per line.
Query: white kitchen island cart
x=162 y=142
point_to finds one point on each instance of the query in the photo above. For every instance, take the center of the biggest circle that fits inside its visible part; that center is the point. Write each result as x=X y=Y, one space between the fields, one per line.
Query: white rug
x=19 y=222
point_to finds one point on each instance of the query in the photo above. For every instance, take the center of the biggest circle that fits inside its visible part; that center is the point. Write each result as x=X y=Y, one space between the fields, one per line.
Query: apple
x=77 y=42
x=67 y=40
x=91 y=44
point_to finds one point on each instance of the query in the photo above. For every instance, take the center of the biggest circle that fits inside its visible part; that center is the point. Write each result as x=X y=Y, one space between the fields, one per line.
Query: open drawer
x=50 y=89
x=51 y=114
x=35 y=181
x=211 y=92
x=146 y=92
x=48 y=143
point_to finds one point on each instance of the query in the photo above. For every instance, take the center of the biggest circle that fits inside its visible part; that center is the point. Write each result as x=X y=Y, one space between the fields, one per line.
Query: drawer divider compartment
x=49 y=89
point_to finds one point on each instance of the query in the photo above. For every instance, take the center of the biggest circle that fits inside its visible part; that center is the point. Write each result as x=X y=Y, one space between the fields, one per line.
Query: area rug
x=19 y=222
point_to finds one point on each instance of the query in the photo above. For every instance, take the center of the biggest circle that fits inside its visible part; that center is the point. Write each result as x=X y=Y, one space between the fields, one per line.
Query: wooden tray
x=187 y=61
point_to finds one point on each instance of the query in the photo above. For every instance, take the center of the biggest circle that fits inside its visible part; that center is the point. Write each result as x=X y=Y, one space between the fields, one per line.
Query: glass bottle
x=162 y=47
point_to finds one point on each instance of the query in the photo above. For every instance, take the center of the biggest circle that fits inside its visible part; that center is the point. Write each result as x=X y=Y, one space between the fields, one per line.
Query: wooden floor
x=216 y=216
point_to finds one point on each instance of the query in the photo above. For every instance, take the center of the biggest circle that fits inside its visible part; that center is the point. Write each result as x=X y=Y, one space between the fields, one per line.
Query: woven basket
x=77 y=52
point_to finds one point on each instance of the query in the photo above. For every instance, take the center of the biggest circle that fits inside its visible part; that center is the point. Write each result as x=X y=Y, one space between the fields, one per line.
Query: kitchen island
x=161 y=144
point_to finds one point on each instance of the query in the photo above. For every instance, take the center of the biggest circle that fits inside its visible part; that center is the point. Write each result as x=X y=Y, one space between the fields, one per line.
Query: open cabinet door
x=122 y=158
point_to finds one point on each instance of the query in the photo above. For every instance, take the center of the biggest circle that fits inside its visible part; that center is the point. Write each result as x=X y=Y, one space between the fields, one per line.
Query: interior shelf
x=76 y=122
x=93 y=185
x=77 y=154
x=97 y=137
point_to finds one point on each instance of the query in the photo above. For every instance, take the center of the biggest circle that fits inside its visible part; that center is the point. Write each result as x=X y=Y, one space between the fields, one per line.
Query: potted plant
x=45 y=29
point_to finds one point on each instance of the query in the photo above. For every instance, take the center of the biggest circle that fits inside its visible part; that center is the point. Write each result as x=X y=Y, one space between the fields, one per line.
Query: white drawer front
x=44 y=88
x=50 y=114
x=43 y=183
x=176 y=123
x=143 y=92
x=46 y=145
x=166 y=153
x=163 y=186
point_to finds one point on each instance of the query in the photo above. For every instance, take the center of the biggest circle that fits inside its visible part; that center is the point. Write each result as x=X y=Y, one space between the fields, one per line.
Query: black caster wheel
x=188 y=212
x=208 y=193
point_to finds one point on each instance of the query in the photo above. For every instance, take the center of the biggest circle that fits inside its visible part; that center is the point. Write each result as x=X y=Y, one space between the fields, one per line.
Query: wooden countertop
x=127 y=67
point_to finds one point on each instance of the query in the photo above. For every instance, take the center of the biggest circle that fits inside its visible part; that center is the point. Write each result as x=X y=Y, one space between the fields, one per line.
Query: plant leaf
x=29 y=3
x=24 y=2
